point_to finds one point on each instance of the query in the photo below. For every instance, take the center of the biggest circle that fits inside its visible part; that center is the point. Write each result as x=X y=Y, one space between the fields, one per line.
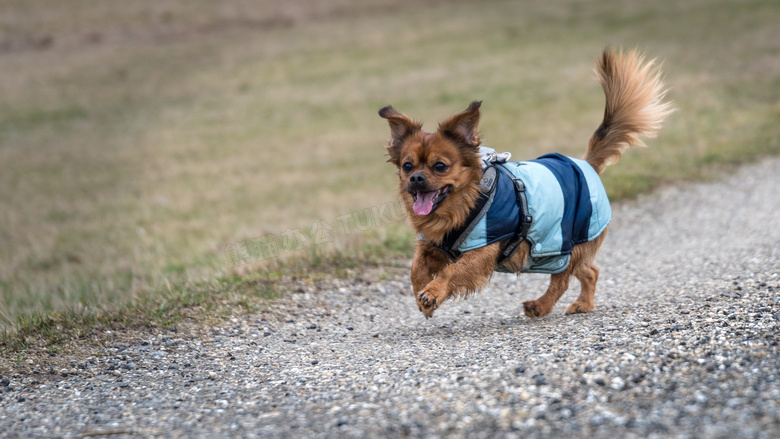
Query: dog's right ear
x=401 y=127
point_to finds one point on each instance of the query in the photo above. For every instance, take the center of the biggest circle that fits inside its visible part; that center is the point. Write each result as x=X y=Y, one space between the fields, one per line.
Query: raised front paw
x=430 y=298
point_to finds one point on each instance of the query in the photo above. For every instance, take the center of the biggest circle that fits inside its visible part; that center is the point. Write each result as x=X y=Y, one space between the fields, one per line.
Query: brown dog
x=441 y=174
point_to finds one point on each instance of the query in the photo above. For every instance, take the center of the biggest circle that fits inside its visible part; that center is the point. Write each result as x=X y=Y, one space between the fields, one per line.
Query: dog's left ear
x=401 y=127
x=463 y=127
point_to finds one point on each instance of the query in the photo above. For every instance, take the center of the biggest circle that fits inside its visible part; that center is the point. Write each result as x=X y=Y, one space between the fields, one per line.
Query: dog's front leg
x=468 y=274
x=428 y=262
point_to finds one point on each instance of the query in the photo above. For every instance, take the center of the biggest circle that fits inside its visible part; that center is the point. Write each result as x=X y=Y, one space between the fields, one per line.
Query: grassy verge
x=202 y=302
x=139 y=141
x=163 y=308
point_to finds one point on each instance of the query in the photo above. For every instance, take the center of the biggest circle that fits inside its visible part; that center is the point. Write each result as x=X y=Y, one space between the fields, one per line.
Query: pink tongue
x=424 y=203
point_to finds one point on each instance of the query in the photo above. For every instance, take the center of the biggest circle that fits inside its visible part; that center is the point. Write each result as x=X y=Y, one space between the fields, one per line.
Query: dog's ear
x=463 y=127
x=401 y=127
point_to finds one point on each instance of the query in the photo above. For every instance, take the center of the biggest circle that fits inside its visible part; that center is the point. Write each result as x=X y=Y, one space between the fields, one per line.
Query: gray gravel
x=683 y=344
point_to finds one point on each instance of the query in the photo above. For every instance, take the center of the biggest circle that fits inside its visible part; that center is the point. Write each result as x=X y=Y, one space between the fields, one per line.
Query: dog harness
x=553 y=202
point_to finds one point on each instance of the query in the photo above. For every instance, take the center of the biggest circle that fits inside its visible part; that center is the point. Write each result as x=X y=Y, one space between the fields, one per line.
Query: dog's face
x=440 y=171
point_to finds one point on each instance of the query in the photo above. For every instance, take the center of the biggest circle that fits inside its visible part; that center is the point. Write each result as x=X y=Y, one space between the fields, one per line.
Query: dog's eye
x=407 y=167
x=439 y=167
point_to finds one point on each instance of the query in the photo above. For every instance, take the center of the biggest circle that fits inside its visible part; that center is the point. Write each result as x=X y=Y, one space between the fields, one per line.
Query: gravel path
x=683 y=344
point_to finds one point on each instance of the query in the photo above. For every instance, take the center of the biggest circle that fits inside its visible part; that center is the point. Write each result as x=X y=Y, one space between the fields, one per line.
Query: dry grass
x=138 y=140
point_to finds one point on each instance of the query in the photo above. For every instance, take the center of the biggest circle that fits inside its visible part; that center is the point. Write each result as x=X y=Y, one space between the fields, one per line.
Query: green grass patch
x=38 y=118
x=204 y=301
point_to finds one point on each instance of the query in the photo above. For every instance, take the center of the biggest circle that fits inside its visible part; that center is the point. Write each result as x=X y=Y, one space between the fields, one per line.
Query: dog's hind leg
x=588 y=275
x=542 y=306
x=581 y=266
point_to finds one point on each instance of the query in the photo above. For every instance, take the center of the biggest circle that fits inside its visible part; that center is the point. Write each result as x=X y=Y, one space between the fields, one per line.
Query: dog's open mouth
x=427 y=202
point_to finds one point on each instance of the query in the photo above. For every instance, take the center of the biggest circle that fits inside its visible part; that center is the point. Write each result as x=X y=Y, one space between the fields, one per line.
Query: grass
x=202 y=301
x=140 y=141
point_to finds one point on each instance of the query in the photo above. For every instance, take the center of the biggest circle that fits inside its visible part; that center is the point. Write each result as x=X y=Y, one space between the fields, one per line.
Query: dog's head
x=439 y=171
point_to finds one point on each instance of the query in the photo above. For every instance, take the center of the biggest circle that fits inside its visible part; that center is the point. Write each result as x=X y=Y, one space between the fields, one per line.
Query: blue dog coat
x=566 y=202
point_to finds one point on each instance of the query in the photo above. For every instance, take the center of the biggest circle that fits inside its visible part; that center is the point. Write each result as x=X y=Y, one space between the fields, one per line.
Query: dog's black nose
x=417 y=179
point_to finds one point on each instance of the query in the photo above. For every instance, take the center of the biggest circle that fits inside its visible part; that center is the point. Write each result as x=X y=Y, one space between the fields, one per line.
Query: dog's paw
x=580 y=307
x=429 y=299
x=534 y=309
x=427 y=303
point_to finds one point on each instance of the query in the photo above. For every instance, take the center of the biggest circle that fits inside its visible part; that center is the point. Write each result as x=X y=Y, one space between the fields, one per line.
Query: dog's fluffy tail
x=634 y=108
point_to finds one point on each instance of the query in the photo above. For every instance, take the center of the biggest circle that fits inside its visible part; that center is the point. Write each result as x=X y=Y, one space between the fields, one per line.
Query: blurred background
x=142 y=141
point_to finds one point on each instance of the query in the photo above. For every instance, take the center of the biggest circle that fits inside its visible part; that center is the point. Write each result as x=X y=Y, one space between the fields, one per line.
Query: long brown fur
x=634 y=107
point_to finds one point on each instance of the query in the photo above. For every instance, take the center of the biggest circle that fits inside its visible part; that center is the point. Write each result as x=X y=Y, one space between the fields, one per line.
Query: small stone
x=617 y=383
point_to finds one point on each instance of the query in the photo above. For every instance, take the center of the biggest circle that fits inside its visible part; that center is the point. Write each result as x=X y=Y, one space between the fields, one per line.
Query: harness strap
x=524 y=222
x=454 y=238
